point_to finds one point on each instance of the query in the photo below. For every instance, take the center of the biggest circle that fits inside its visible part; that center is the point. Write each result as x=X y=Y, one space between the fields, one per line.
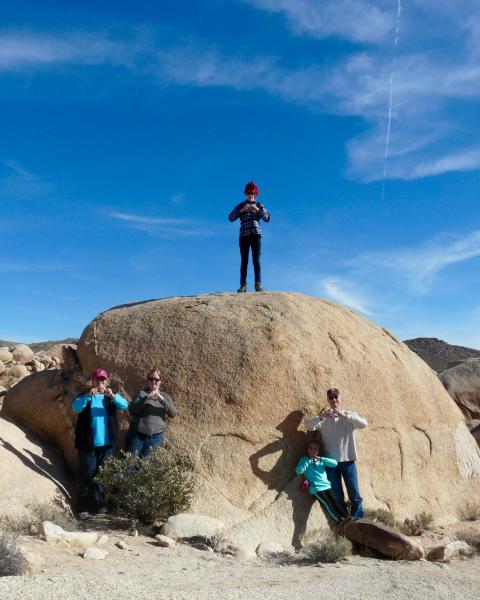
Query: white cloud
x=343 y=292
x=23 y=49
x=20 y=184
x=161 y=227
x=436 y=77
x=355 y=20
x=420 y=265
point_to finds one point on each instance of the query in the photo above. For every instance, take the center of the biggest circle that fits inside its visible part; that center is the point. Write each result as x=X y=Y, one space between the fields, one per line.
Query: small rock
x=95 y=554
x=267 y=549
x=133 y=533
x=187 y=525
x=103 y=540
x=17 y=372
x=122 y=545
x=165 y=541
x=53 y=533
x=449 y=550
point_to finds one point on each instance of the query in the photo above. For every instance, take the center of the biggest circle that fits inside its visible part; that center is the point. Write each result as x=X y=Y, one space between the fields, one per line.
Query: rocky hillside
x=42 y=346
x=440 y=355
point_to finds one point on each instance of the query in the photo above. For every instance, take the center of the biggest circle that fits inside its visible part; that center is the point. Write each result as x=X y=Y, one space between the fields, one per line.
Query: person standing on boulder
x=250 y=212
x=149 y=410
x=96 y=434
x=337 y=428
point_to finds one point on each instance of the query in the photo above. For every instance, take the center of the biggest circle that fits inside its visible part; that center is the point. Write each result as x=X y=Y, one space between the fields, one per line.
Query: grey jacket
x=149 y=416
x=337 y=434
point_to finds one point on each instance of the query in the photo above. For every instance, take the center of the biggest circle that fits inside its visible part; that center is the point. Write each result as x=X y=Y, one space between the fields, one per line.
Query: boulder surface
x=32 y=472
x=245 y=370
x=462 y=382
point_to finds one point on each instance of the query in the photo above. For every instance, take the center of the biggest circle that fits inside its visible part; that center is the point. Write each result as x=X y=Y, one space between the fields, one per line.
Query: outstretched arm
x=80 y=403
x=329 y=462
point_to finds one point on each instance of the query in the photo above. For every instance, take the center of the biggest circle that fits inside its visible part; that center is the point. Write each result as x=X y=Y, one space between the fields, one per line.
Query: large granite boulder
x=245 y=370
x=32 y=472
x=462 y=382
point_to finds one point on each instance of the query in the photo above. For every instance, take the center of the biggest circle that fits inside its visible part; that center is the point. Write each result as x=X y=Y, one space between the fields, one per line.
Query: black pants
x=90 y=492
x=330 y=505
x=255 y=243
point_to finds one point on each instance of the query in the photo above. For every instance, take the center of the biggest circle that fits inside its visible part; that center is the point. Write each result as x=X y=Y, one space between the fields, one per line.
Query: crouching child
x=312 y=467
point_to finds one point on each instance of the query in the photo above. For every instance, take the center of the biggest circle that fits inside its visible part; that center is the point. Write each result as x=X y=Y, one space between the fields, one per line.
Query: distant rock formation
x=440 y=355
x=18 y=361
x=244 y=370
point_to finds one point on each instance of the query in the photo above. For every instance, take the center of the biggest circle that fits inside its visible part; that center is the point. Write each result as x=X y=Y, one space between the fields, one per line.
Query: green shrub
x=37 y=512
x=425 y=519
x=12 y=561
x=331 y=549
x=381 y=515
x=146 y=490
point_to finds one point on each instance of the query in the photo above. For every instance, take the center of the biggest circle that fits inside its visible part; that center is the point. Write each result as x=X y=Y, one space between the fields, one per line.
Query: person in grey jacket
x=149 y=409
x=337 y=428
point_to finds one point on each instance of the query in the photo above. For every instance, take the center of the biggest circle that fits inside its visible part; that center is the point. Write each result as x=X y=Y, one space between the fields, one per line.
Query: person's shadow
x=281 y=477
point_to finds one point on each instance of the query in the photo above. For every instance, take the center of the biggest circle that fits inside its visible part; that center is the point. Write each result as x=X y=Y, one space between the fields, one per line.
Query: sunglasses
x=333 y=397
x=153 y=379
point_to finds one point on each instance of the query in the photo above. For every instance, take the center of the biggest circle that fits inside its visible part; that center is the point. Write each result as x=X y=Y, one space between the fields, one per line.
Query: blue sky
x=128 y=131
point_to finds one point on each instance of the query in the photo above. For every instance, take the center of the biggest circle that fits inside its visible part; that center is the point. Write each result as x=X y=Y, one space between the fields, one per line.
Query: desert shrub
x=471 y=536
x=331 y=549
x=37 y=512
x=425 y=519
x=470 y=511
x=12 y=561
x=146 y=490
x=381 y=515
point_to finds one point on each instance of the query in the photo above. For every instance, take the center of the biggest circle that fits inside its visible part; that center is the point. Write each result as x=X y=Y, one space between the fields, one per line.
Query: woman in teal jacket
x=312 y=467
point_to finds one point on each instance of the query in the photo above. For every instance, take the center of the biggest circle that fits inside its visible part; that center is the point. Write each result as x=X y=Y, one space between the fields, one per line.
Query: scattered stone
x=22 y=354
x=103 y=540
x=268 y=549
x=165 y=541
x=95 y=554
x=449 y=550
x=54 y=533
x=122 y=545
x=187 y=525
x=133 y=533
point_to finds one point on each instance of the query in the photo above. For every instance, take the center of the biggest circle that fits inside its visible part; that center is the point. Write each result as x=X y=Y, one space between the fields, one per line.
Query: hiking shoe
x=103 y=510
x=242 y=288
x=258 y=287
x=84 y=515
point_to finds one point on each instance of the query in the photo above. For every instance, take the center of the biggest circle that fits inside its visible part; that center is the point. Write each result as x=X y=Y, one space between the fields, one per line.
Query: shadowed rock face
x=244 y=370
x=462 y=382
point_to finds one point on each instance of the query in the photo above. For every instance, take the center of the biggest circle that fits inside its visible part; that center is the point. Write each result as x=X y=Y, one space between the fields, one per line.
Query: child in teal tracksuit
x=313 y=468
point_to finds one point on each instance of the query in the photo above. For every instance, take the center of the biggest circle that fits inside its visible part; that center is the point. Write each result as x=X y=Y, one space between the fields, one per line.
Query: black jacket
x=83 y=428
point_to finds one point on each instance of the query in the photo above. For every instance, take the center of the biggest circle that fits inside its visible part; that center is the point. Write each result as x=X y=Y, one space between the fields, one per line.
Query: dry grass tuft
x=470 y=511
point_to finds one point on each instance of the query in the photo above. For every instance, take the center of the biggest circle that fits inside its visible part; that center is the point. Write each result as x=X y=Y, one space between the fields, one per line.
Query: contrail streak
x=390 y=100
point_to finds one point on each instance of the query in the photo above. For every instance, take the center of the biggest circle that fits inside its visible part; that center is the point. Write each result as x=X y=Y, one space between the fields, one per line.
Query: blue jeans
x=348 y=471
x=90 y=493
x=140 y=443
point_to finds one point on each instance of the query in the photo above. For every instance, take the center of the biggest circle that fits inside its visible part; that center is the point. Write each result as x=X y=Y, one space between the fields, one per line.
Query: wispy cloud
x=419 y=266
x=25 y=49
x=159 y=226
x=344 y=292
x=355 y=20
x=20 y=184
x=436 y=83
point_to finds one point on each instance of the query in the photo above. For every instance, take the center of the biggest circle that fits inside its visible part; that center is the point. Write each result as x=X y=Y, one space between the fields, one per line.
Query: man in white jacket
x=337 y=427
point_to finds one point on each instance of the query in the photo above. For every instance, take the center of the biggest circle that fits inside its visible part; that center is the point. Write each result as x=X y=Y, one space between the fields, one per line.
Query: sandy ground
x=145 y=570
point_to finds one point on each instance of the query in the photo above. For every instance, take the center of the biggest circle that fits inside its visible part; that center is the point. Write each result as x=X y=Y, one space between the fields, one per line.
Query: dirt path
x=145 y=570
